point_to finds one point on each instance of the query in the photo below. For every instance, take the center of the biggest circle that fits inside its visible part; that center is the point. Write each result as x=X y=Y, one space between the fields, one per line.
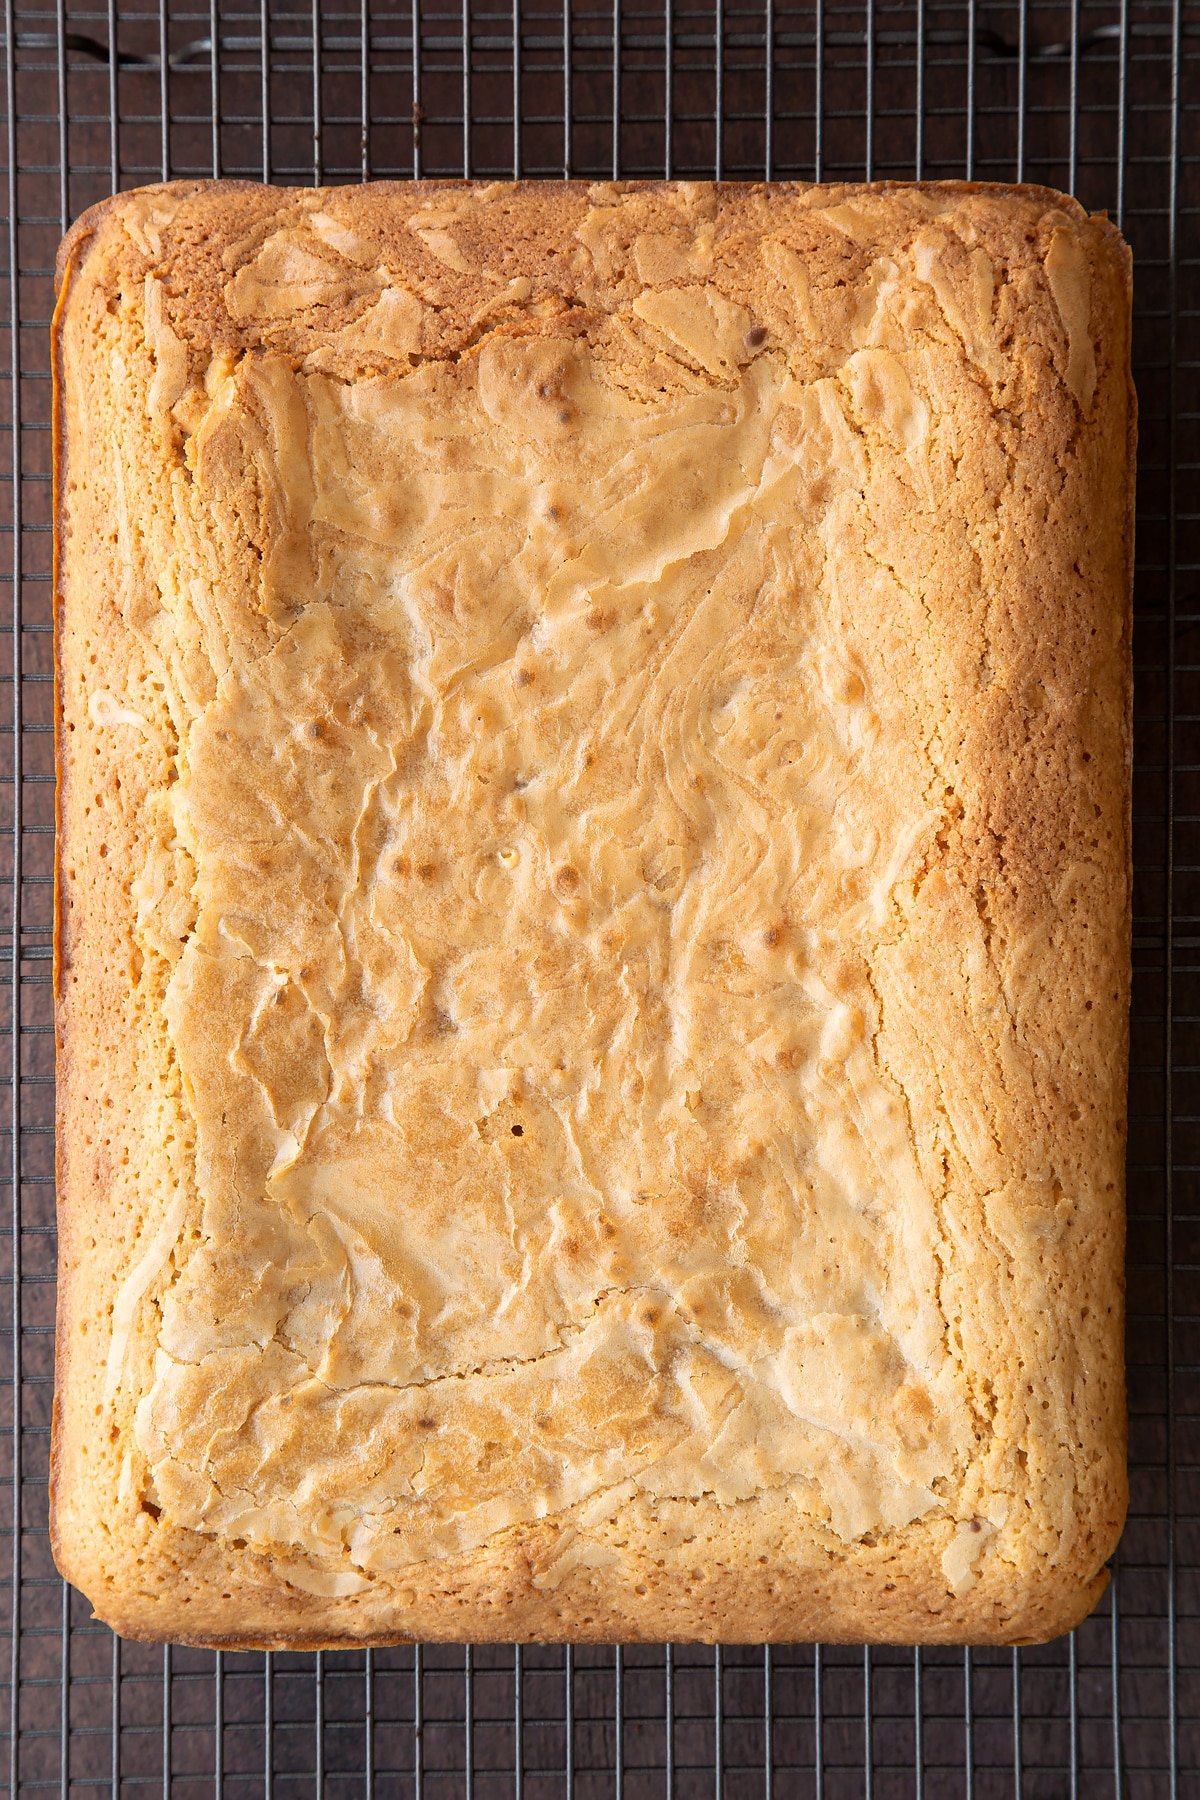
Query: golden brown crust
x=592 y=1051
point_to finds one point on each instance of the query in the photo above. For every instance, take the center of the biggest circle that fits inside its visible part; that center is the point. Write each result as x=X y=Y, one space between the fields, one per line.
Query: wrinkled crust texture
x=593 y=912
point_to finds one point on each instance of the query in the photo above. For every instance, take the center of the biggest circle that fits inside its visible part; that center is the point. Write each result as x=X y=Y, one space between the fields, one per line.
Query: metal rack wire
x=1093 y=95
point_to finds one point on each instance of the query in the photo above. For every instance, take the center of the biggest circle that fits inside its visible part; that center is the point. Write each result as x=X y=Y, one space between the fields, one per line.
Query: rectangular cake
x=593 y=911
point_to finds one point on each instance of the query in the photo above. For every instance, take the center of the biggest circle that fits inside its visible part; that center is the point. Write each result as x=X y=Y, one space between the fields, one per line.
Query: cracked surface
x=593 y=912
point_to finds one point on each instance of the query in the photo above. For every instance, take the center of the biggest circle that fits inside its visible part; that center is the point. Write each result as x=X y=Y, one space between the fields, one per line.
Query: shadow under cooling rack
x=1103 y=99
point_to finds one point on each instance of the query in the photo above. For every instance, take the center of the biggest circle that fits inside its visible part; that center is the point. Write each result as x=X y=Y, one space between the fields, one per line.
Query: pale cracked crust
x=593 y=912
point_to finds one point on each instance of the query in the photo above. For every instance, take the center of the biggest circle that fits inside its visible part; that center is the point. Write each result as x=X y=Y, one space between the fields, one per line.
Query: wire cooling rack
x=1099 y=96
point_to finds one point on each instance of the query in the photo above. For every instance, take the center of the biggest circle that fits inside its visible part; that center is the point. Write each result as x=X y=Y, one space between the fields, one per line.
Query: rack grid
x=1101 y=97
